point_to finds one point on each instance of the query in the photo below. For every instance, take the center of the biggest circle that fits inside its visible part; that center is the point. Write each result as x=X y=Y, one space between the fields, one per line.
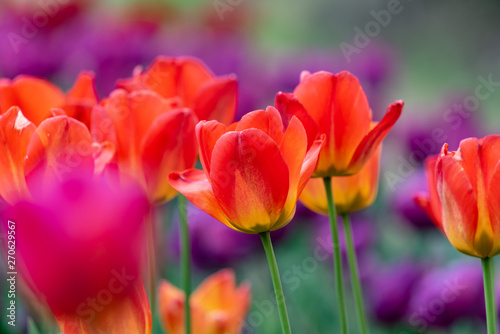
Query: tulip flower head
x=81 y=251
x=152 y=138
x=218 y=306
x=467 y=185
x=39 y=99
x=253 y=171
x=188 y=83
x=351 y=193
x=59 y=148
x=336 y=105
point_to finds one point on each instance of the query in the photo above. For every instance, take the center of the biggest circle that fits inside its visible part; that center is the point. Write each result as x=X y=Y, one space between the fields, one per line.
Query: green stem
x=186 y=261
x=151 y=259
x=337 y=257
x=275 y=276
x=489 y=294
x=353 y=270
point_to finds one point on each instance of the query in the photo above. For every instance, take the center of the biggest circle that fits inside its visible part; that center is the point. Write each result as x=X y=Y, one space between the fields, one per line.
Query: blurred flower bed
x=406 y=264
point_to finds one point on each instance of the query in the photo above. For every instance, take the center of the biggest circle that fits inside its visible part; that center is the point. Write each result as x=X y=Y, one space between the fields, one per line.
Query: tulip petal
x=293 y=149
x=476 y=158
x=171 y=308
x=132 y=115
x=171 y=77
x=102 y=127
x=250 y=179
x=84 y=88
x=60 y=148
x=339 y=107
x=207 y=134
x=289 y=106
x=269 y=121
x=103 y=155
x=15 y=134
x=490 y=156
x=35 y=97
x=431 y=203
x=130 y=315
x=373 y=139
x=215 y=291
x=224 y=303
x=459 y=206
x=468 y=156
x=315 y=93
x=216 y=100
x=192 y=74
x=493 y=202
x=313 y=196
x=81 y=98
x=168 y=146
x=356 y=192
x=193 y=184
x=310 y=161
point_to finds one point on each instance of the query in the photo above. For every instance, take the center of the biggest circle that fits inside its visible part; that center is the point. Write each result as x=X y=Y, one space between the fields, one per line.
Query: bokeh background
x=440 y=57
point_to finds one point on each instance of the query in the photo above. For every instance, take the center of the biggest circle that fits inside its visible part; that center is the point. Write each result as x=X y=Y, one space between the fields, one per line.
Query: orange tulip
x=253 y=175
x=188 y=83
x=467 y=185
x=60 y=148
x=431 y=203
x=152 y=138
x=351 y=193
x=39 y=99
x=335 y=104
x=218 y=306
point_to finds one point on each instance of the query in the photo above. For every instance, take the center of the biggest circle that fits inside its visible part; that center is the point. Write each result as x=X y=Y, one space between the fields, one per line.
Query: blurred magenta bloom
x=447 y=294
x=80 y=244
x=362 y=230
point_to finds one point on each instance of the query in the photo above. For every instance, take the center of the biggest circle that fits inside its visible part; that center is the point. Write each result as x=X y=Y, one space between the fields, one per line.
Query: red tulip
x=152 y=138
x=335 y=104
x=254 y=171
x=80 y=250
x=39 y=99
x=60 y=148
x=187 y=83
x=467 y=185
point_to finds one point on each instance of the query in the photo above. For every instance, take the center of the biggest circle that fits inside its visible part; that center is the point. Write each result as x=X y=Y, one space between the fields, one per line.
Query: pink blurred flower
x=80 y=245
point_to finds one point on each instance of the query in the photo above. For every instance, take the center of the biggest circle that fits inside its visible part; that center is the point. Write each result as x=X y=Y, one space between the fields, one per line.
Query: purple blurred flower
x=390 y=288
x=213 y=244
x=362 y=230
x=447 y=294
x=403 y=203
x=109 y=47
x=446 y=125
